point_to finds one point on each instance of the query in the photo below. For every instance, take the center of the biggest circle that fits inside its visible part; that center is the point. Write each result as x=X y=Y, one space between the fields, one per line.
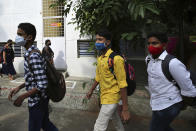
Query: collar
x=109 y=51
x=29 y=50
x=161 y=57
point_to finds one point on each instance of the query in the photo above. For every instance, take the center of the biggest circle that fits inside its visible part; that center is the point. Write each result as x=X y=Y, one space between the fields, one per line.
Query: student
x=8 y=59
x=35 y=81
x=111 y=89
x=166 y=100
x=47 y=52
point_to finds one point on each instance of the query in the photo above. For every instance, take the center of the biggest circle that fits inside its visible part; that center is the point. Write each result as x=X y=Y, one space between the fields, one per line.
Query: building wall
x=82 y=66
x=13 y=12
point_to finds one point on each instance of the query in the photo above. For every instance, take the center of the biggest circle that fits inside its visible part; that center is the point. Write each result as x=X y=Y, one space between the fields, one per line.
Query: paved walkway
x=16 y=119
x=71 y=114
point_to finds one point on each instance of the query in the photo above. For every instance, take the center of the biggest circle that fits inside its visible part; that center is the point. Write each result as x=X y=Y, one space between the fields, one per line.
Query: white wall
x=13 y=12
x=77 y=66
x=58 y=46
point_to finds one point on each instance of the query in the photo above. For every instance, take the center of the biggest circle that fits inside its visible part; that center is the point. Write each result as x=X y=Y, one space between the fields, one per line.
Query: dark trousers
x=161 y=120
x=39 y=118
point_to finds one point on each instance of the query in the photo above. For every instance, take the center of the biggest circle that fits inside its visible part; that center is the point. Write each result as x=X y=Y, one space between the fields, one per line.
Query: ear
x=108 y=42
x=30 y=37
x=164 y=46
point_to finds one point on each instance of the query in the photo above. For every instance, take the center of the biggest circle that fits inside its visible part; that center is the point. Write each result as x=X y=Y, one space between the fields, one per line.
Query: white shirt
x=163 y=92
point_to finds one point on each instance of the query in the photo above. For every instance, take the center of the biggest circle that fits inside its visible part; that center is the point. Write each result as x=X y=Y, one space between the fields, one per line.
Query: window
x=53 y=19
x=85 y=48
x=18 y=50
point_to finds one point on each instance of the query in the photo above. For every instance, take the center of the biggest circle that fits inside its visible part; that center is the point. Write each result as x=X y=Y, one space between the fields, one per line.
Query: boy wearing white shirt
x=166 y=100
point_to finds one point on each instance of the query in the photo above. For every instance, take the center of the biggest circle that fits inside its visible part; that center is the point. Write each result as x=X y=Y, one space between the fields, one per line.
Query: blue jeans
x=162 y=119
x=39 y=117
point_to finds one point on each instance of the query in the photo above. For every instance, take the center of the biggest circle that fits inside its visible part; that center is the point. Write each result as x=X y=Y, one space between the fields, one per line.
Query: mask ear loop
x=109 y=46
x=164 y=46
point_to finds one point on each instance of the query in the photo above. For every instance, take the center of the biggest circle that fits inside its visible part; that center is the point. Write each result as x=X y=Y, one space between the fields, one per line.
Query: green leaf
x=129 y=36
x=153 y=9
x=124 y=35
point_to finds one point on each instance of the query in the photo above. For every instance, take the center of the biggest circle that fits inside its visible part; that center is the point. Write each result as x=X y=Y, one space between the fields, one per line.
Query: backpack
x=130 y=73
x=188 y=101
x=56 y=87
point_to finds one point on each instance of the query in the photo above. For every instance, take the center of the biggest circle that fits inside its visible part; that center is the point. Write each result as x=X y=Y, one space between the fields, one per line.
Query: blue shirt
x=35 y=75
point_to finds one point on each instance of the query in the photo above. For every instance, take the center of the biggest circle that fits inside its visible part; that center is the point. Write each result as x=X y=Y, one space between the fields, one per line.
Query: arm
x=37 y=68
x=39 y=77
x=15 y=90
x=123 y=92
x=89 y=94
x=182 y=77
x=121 y=80
x=20 y=99
x=96 y=82
x=4 y=57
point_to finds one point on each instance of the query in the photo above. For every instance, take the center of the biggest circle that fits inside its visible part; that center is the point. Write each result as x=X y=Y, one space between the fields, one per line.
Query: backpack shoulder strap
x=165 y=67
x=111 y=62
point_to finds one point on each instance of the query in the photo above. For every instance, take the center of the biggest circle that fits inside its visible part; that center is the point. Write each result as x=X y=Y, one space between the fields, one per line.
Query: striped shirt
x=35 y=75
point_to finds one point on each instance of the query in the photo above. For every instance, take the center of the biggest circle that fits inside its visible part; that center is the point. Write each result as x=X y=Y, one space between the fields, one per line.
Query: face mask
x=100 y=46
x=20 y=40
x=155 y=50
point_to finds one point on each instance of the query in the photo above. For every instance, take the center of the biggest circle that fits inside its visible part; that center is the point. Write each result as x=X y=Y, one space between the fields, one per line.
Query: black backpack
x=188 y=101
x=130 y=73
x=56 y=87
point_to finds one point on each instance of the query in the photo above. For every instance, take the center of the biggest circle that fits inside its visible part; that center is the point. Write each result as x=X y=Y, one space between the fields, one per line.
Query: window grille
x=85 y=48
x=53 y=19
x=18 y=50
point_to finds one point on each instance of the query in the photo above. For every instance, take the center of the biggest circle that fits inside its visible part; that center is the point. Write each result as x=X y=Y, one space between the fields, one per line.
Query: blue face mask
x=100 y=46
x=20 y=40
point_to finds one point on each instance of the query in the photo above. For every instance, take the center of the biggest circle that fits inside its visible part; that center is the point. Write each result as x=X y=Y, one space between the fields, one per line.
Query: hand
x=125 y=115
x=19 y=100
x=4 y=62
x=13 y=92
x=89 y=94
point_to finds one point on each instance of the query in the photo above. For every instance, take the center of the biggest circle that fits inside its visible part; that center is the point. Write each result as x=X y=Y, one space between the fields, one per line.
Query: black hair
x=29 y=29
x=47 y=41
x=104 y=33
x=162 y=37
x=9 y=41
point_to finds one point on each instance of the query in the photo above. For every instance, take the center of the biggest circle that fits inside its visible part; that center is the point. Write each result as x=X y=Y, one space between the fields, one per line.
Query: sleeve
x=39 y=74
x=119 y=71
x=182 y=77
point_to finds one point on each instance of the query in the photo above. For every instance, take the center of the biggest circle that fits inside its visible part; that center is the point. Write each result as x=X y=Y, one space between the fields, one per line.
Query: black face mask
x=49 y=44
